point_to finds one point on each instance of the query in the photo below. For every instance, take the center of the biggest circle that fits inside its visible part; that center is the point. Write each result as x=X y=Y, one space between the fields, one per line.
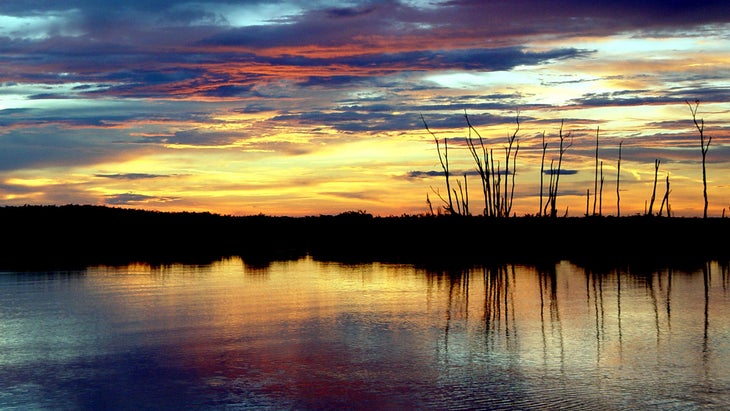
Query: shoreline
x=81 y=235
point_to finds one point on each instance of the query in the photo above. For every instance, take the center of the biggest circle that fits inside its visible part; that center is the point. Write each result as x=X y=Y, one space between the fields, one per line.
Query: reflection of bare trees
x=499 y=315
x=707 y=280
x=457 y=306
x=618 y=313
x=499 y=312
x=654 y=282
x=594 y=294
x=618 y=309
x=549 y=289
x=458 y=302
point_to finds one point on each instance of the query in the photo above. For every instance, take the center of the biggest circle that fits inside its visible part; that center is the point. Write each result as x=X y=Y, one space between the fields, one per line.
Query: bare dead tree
x=482 y=165
x=514 y=173
x=444 y=160
x=704 y=146
x=653 y=193
x=665 y=200
x=618 y=181
x=551 y=187
x=508 y=152
x=498 y=197
x=496 y=185
x=563 y=147
x=464 y=193
x=595 y=176
x=600 y=194
x=456 y=195
x=445 y=203
x=542 y=172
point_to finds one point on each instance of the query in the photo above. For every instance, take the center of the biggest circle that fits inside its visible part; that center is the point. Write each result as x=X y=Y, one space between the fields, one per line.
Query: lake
x=308 y=335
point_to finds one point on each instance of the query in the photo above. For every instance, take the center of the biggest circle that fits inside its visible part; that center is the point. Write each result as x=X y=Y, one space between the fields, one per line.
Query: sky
x=314 y=107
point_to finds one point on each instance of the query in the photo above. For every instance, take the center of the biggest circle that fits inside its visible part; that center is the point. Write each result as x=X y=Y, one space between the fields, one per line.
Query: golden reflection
x=531 y=310
x=550 y=318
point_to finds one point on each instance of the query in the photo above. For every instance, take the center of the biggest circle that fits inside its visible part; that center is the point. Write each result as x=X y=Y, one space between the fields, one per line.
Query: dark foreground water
x=308 y=335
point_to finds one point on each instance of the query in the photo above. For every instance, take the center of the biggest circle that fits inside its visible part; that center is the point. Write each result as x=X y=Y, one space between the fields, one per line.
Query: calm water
x=311 y=335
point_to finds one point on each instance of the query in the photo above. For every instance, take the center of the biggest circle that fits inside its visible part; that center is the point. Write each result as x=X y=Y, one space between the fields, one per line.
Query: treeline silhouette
x=38 y=237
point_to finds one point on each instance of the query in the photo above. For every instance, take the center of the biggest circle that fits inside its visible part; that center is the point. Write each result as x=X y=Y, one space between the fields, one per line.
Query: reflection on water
x=315 y=335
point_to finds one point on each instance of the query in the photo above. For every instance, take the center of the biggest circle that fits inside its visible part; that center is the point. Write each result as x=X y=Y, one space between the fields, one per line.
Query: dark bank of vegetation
x=43 y=237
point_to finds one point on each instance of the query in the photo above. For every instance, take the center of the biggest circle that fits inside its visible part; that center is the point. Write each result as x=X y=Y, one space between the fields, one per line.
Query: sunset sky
x=313 y=107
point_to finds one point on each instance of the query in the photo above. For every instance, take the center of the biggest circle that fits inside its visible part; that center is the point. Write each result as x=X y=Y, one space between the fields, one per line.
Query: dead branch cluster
x=497 y=181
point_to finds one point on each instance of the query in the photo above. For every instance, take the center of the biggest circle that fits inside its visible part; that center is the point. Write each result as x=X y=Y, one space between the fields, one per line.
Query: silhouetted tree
x=482 y=165
x=444 y=160
x=430 y=206
x=600 y=194
x=618 y=181
x=595 y=176
x=463 y=204
x=551 y=187
x=542 y=172
x=498 y=199
x=704 y=146
x=554 y=189
x=508 y=152
x=665 y=200
x=653 y=193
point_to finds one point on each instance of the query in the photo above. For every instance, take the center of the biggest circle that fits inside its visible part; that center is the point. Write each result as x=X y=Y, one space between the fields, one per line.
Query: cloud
x=135 y=199
x=131 y=176
x=433 y=173
x=202 y=138
x=561 y=171
x=352 y=195
x=647 y=97
x=229 y=90
x=42 y=147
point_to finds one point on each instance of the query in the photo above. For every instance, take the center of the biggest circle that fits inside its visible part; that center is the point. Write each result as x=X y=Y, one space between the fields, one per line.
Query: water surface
x=311 y=335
